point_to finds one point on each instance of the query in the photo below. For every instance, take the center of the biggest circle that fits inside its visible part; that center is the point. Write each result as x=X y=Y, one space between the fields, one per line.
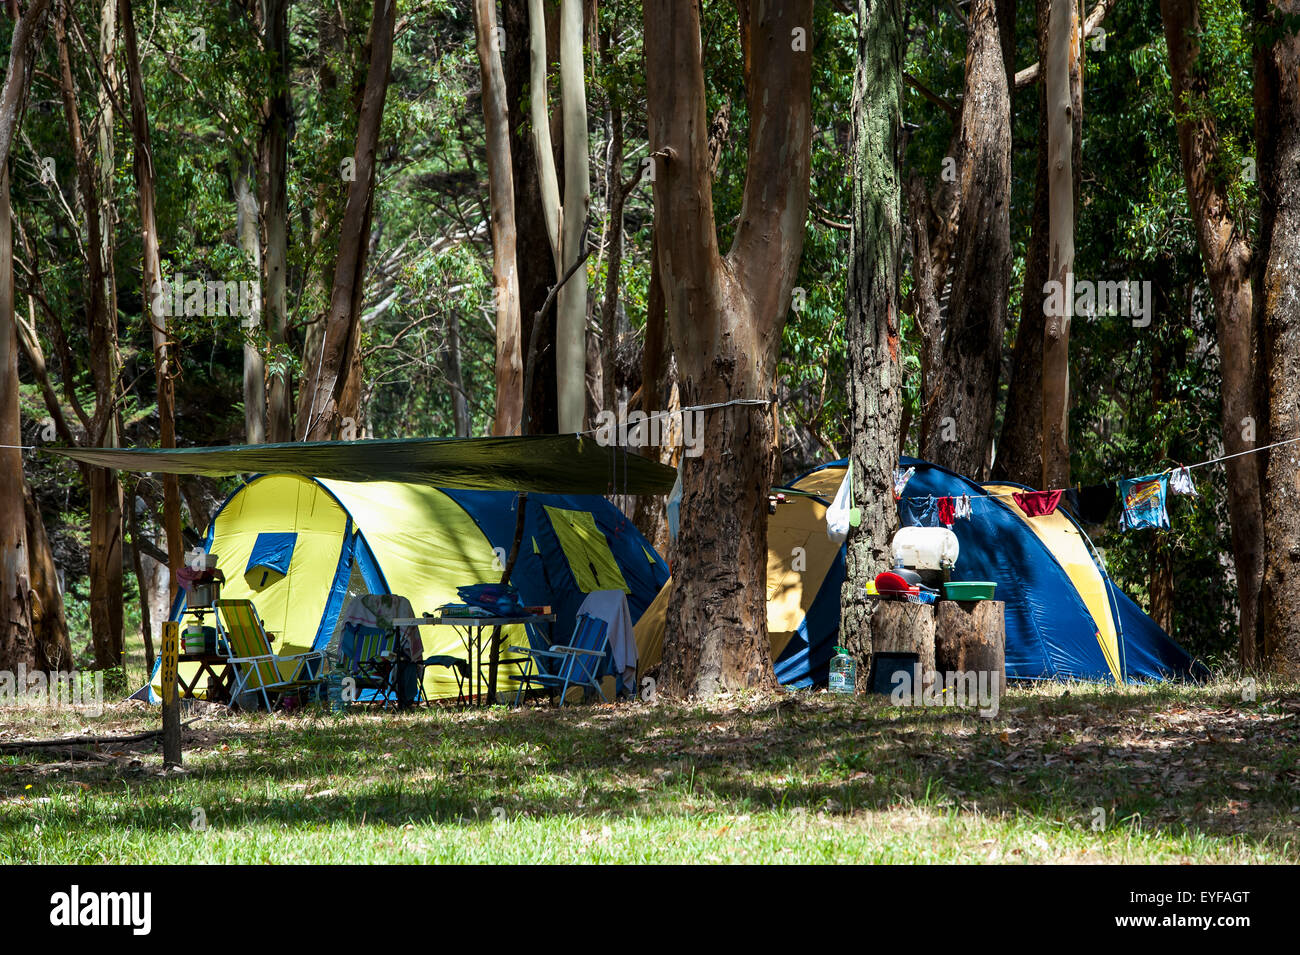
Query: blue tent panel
x=543 y=575
x=338 y=588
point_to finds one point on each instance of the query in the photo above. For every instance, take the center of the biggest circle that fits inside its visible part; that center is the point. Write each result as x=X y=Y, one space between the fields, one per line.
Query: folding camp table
x=218 y=682
x=470 y=630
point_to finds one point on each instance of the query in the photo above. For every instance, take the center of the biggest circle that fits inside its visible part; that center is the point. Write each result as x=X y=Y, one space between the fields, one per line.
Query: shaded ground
x=1076 y=773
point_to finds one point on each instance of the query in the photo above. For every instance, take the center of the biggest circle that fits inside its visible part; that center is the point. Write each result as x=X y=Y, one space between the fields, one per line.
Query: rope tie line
x=668 y=414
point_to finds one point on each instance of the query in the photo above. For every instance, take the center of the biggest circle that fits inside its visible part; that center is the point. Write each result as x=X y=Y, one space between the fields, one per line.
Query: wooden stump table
x=901 y=627
x=971 y=636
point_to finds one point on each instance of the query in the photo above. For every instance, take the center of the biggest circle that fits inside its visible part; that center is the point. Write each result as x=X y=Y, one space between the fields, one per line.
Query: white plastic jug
x=925 y=548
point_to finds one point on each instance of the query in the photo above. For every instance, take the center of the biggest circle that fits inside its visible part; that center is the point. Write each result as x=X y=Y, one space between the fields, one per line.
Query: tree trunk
x=103 y=124
x=1020 y=449
x=565 y=221
x=254 y=364
x=330 y=379
x=533 y=257
x=1277 y=305
x=505 y=275
x=571 y=303
x=17 y=639
x=1227 y=256
x=142 y=584
x=456 y=379
x=658 y=394
x=1063 y=103
x=971 y=637
x=151 y=278
x=273 y=191
x=960 y=407
x=1161 y=585
x=49 y=626
x=874 y=366
x=616 y=193
x=105 y=569
x=726 y=316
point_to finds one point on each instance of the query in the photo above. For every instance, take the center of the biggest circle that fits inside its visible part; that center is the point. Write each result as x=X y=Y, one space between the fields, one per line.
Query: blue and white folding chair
x=369 y=660
x=580 y=662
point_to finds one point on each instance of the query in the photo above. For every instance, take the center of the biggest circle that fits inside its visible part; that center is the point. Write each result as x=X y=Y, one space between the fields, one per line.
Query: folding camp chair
x=368 y=658
x=256 y=668
x=376 y=655
x=581 y=662
x=459 y=669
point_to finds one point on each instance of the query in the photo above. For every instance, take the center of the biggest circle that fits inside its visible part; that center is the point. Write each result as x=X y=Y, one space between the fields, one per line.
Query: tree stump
x=971 y=636
x=901 y=627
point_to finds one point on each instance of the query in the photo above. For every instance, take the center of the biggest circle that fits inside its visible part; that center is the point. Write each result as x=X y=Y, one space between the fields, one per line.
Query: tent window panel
x=269 y=561
x=587 y=550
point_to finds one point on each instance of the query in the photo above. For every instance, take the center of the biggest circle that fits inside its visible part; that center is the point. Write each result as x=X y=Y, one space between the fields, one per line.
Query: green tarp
x=554 y=464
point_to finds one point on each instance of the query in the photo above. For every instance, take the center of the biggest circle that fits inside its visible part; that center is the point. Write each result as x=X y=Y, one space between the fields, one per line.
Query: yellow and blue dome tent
x=299 y=547
x=1065 y=617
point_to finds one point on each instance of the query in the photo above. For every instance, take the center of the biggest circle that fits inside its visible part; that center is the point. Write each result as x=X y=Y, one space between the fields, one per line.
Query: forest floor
x=1063 y=773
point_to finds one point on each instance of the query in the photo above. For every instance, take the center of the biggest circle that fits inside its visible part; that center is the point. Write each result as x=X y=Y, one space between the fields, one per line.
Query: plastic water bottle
x=334 y=689
x=843 y=672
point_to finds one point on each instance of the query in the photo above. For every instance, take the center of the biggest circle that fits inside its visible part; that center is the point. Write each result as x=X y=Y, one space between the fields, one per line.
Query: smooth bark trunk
x=246 y=229
x=566 y=218
x=1226 y=253
x=456 y=380
x=533 y=257
x=571 y=305
x=49 y=625
x=17 y=639
x=151 y=278
x=726 y=315
x=505 y=275
x=1063 y=103
x=105 y=570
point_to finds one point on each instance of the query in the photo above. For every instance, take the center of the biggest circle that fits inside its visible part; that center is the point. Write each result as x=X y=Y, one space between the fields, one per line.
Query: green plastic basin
x=969 y=589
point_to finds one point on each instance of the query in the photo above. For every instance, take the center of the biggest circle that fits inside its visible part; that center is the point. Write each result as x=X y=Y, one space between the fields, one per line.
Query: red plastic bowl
x=889 y=582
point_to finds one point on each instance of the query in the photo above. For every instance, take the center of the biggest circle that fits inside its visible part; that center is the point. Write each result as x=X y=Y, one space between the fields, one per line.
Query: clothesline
x=1181 y=467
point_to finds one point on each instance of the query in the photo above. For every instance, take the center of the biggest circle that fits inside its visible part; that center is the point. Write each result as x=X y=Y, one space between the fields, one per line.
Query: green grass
x=1064 y=773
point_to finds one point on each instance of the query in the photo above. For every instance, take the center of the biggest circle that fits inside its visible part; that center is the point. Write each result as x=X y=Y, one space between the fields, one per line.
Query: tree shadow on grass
x=1203 y=764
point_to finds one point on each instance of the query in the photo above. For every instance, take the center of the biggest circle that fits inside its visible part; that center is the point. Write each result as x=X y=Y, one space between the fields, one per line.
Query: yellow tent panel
x=588 y=553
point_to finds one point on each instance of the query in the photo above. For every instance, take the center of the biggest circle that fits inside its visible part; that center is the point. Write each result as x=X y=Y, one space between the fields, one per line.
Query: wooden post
x=171 y=717
x=901 y=627
x=971 y=636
